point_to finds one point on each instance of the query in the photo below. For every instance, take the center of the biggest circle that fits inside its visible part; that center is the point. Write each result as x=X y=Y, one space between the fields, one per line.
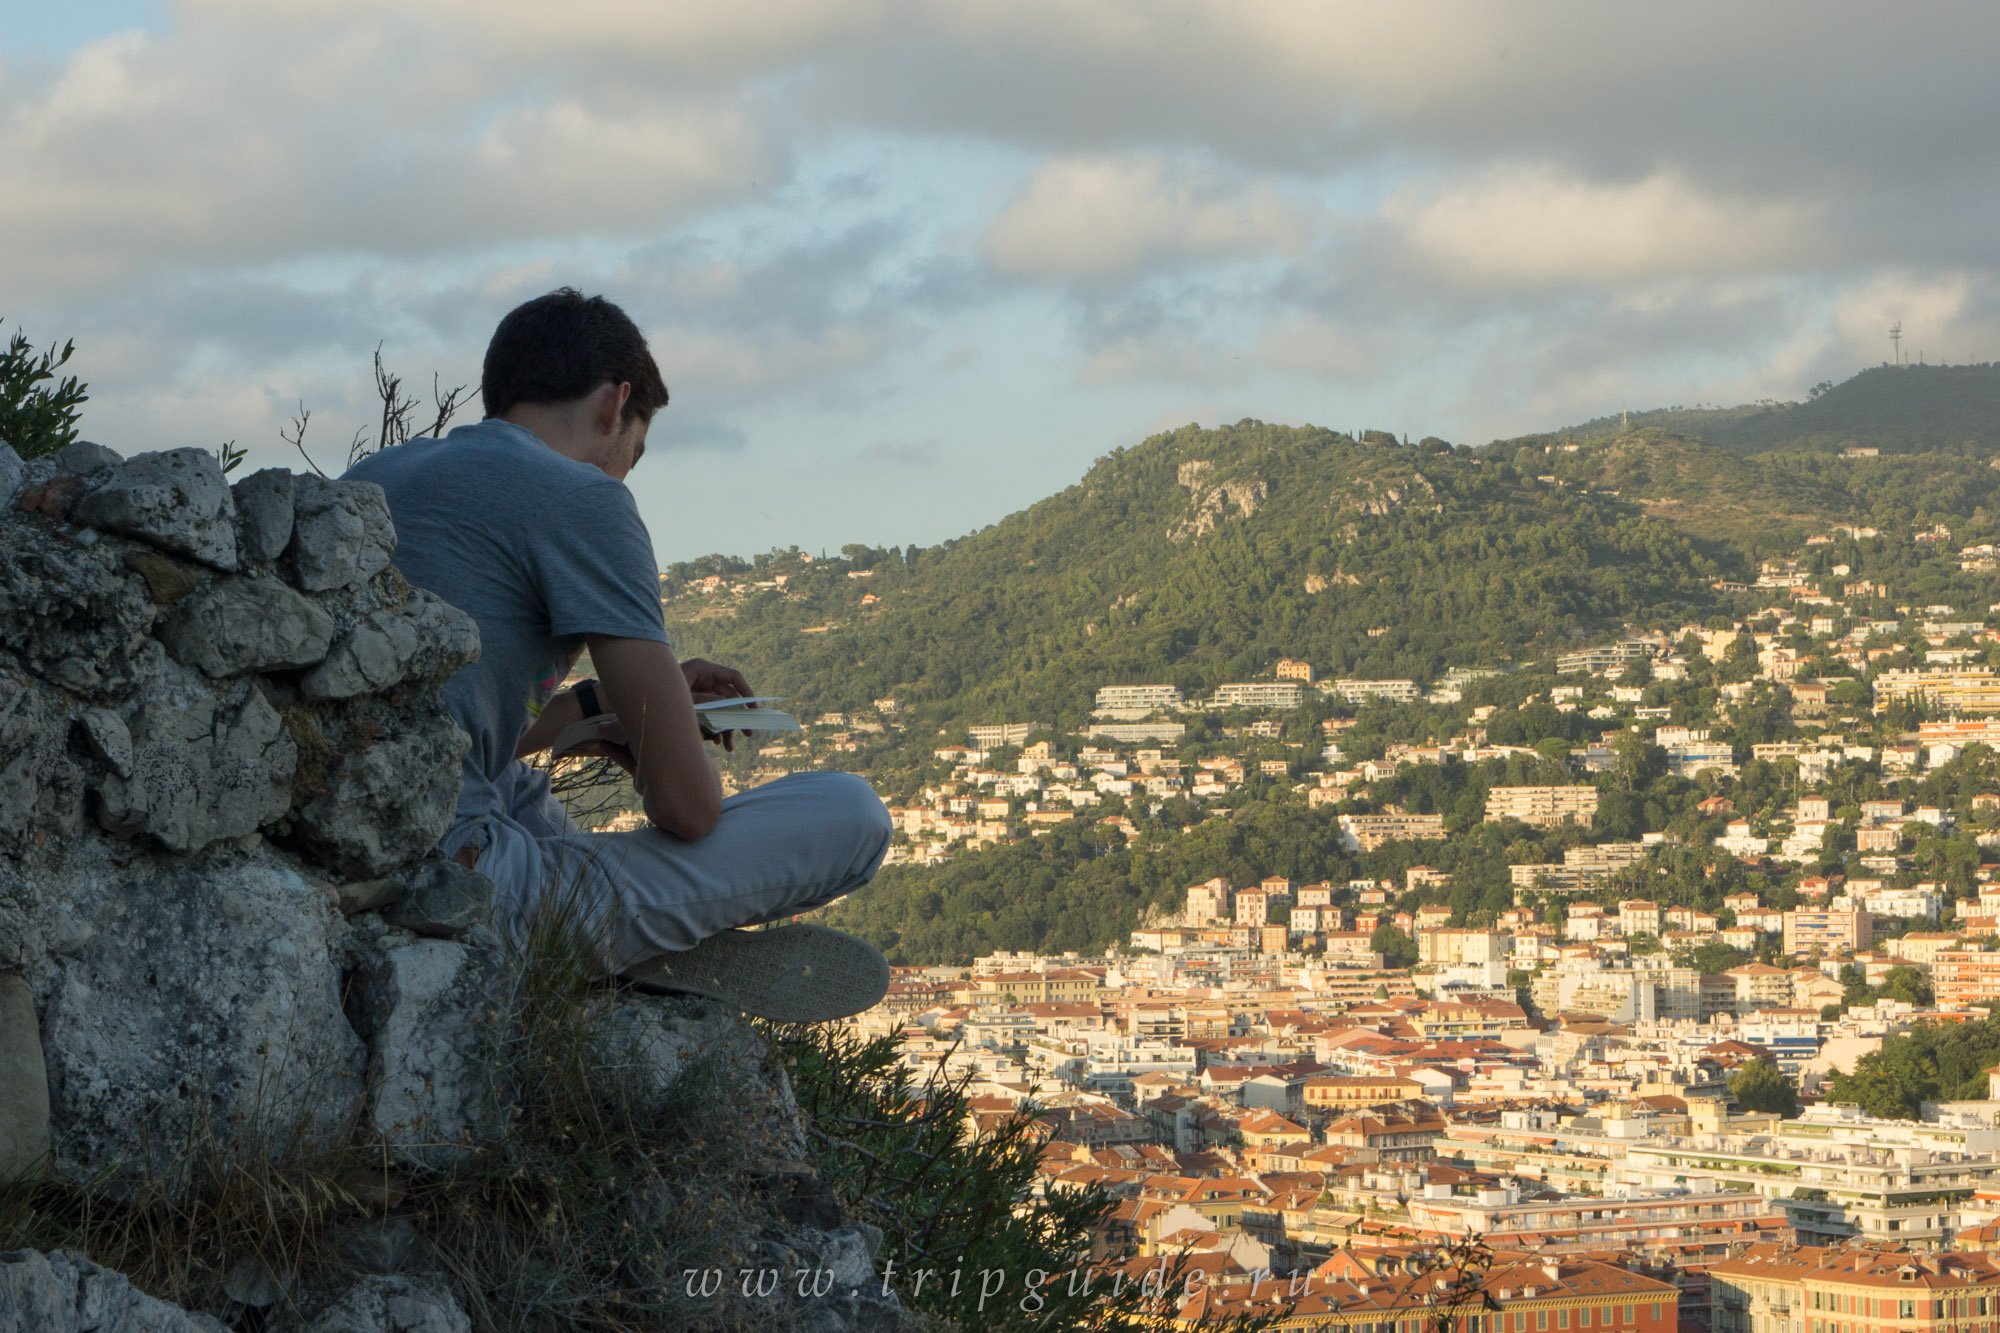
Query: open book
x=716 y=716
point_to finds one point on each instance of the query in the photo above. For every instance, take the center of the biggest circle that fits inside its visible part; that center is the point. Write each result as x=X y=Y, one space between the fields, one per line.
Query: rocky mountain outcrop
x=1213 y=500
x=225 y=933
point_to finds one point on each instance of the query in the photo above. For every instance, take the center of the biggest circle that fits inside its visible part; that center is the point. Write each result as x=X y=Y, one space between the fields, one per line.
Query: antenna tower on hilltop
x=1896 y=343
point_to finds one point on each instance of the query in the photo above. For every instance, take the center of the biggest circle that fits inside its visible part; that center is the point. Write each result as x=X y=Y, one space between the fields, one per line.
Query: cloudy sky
x=910 y=267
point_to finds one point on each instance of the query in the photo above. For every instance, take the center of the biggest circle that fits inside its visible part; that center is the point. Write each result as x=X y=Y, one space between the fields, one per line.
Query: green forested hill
x=1899 y=410
x=1202 y=556
x=1758 y=503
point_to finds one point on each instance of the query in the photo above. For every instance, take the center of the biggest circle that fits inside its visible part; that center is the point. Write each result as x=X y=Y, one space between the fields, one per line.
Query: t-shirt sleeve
x=594 y=559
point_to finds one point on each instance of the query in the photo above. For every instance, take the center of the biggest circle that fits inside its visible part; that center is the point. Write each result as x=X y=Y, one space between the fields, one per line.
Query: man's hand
x=644 y=685
x=709 y=681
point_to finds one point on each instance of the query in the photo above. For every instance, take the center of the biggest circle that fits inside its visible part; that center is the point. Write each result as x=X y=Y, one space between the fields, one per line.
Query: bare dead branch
x=393 y=428
x=447 y=404
x=297 y=437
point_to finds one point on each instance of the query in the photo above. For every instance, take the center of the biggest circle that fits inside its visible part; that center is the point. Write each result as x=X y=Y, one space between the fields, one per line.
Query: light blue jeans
x=784 y=848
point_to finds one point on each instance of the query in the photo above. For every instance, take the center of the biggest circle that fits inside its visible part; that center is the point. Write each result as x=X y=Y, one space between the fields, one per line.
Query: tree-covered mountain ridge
x=1896 y=409
x=1203 y=556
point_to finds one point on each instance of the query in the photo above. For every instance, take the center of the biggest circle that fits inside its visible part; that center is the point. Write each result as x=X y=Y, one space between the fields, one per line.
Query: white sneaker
x=793 y=974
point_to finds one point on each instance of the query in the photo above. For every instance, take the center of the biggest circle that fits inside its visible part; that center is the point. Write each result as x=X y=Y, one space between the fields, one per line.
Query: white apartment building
x=1836 y=1173
x=1581 y=867
x=1113 y=1062
x=1687 y=760
x=1131 y=733
x=1910 y=903
x=1609 y=658
x=1741 y=841
x=1543 y=807
x=992 y=736
x=1259 y=694
x=1136 y=701
x=1391 y=691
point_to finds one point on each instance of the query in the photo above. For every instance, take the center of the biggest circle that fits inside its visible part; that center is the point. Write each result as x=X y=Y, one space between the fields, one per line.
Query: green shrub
x=38 y=412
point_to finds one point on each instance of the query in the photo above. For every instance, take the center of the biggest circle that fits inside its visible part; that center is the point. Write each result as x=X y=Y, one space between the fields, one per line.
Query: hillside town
x=1619 y=1088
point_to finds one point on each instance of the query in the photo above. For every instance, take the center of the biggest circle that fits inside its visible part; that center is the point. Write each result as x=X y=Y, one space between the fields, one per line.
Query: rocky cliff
x=226 y=945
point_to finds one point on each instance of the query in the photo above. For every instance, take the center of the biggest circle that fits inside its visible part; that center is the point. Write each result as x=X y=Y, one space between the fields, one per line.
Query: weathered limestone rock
x=41 y=789
x=392 y=1305
x=186 y=967
x=853 y=1299
x=441 y=899
x=263 y=514
x=200 y=772
x=431 y=1011
x=243 y=625
x=24 y=1084
x=189 y=996
x=11 y=468
x=107 y=739
x=668 y=1036
x=81 y=458
x=387 y=804
x=167 y=580
x=77 y=617
x=425 y=638
x=176 y=500
x=67 y=1293
x=341 y=532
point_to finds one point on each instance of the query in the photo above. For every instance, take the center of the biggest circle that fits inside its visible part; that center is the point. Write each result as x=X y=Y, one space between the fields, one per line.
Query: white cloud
x=1096 y=217
x=728 y=365
x=1937 y=310
x=1538 y=227
x=213 y=149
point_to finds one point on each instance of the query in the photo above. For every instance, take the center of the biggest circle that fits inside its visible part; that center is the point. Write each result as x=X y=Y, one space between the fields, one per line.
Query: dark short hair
x=559 y=347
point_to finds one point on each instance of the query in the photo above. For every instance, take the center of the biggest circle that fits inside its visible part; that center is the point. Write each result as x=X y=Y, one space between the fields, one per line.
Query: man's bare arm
x=561 y=711
x=643 y=684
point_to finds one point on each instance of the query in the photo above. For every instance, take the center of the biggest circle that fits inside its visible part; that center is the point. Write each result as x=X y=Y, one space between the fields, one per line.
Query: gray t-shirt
x=539 y=549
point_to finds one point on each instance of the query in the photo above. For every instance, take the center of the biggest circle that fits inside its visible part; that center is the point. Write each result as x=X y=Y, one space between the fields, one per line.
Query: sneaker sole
x=794 y=974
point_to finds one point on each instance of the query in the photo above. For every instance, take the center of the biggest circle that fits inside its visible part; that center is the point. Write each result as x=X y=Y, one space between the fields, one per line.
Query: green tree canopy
x=1931 y=1062
x=1759 y=1086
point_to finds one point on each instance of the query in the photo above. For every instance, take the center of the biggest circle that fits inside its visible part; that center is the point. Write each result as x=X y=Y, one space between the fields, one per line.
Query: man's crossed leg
x=663 y=909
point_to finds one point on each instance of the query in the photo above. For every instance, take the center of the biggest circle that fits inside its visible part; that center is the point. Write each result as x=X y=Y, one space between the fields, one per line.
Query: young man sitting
x=524 y=522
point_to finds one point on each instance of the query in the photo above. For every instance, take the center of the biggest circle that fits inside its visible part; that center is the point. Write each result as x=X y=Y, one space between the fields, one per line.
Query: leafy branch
x=38 y=412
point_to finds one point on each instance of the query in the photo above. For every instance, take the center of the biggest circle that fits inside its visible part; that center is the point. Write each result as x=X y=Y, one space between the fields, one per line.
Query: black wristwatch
x=586 y=696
